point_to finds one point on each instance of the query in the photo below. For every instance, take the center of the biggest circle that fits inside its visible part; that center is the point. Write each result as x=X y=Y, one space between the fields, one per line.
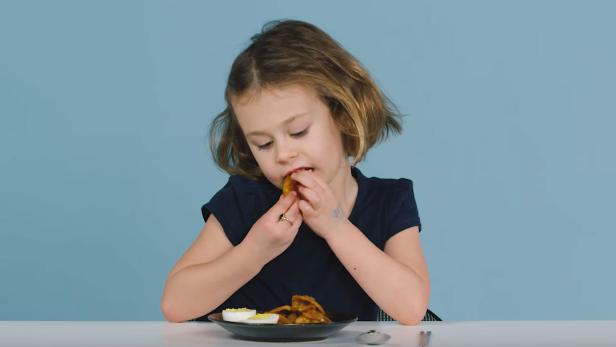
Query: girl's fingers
x=311 y=196
x=294 y=214
x=305 y=207
x=319 y=182
x=285 y=202
x=287 y=207
x=307 y=179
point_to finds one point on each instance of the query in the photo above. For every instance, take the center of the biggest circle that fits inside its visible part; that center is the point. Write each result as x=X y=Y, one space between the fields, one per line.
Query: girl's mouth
x=298 y=169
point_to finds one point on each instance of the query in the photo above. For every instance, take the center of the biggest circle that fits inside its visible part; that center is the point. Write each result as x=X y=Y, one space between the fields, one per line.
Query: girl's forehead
x=275 y=101
x=296 y=91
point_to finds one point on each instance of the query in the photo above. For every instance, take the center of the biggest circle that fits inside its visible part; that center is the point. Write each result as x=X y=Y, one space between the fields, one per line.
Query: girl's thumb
x=286 y=201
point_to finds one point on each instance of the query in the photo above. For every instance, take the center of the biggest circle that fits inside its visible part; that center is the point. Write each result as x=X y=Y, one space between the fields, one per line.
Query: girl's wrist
x=254 y=256
x=339 y=232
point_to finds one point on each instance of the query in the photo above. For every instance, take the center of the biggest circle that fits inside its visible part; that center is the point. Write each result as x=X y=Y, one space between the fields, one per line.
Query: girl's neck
x=345 y=188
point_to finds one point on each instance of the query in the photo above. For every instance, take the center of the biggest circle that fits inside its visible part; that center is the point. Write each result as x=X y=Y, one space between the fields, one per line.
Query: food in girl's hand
x=237 y=314
x=288 y=185
x=303 y=309
x=262 y=318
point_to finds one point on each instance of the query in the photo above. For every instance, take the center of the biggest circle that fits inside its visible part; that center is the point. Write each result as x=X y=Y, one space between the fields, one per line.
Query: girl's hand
x=271 y=234
x=318 y=204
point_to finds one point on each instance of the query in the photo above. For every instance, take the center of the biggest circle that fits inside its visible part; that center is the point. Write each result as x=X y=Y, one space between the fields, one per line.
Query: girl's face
x=289 y=128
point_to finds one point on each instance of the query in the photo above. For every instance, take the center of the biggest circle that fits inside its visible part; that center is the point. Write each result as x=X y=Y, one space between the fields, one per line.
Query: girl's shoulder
x=386 y=187
x=388 y=202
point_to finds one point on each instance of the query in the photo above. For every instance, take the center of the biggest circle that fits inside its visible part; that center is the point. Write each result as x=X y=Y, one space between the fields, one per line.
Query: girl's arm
x=397 y=279
x=207 y=274
x=212 y=269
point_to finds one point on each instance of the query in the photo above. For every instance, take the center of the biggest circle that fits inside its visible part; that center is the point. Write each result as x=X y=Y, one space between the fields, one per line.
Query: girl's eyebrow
x=286 y=121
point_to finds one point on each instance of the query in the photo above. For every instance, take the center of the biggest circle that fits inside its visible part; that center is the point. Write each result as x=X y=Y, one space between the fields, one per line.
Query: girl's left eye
x=300 y=133
x=264 y=146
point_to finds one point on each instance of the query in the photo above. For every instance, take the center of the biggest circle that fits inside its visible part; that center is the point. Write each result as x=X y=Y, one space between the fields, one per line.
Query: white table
x=451 y=333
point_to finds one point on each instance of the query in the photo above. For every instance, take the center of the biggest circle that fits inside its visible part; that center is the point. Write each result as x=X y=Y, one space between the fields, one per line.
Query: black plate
x=284 y=332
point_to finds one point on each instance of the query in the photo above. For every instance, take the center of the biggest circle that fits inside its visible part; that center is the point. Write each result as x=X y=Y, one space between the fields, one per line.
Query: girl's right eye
x=264 y=146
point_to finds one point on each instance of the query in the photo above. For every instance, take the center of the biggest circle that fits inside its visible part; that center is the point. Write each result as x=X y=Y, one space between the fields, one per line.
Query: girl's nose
x=285 y=153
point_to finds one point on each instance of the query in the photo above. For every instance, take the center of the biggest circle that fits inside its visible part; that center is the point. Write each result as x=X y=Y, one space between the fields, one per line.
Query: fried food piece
x=288 y=185
x=315 y=316
x=293 y=317
x=302 y=320
x=282 y=319
x=305 y=302
x=284 y=309
x=304 y=309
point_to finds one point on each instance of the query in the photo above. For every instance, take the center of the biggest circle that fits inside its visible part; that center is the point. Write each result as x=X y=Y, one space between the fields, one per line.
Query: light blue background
x=509 y=139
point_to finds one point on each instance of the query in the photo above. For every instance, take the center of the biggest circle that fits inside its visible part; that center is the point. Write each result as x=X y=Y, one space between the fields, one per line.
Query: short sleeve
x=403 y=208
x=225 y=205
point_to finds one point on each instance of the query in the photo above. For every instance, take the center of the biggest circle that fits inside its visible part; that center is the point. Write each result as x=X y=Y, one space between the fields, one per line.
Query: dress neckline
x=361 y=191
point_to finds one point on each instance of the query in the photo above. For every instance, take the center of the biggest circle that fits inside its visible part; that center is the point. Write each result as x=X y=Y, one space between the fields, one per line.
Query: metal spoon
x=423 y=339
x=373 y=337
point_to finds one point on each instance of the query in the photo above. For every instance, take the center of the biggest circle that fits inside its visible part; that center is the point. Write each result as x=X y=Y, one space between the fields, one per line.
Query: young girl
x=300 y=105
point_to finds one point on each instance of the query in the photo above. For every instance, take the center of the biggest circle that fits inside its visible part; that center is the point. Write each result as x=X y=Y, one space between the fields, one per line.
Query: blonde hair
x=296 y=52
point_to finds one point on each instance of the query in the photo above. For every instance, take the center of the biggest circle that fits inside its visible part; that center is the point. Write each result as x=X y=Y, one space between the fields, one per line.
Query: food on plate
x=303 y=309
x=262 y=318
x=248 y=316
x=237 y=314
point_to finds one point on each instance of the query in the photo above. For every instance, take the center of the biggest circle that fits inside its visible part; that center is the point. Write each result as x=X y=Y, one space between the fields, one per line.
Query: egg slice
x=262 y=318
x=237 y=314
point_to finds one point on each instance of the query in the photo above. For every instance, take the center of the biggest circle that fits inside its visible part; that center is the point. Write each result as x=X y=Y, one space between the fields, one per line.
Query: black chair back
x=429 y=317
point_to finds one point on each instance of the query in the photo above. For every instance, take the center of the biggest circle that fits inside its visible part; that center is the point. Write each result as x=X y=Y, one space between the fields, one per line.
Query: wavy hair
x=295 y=52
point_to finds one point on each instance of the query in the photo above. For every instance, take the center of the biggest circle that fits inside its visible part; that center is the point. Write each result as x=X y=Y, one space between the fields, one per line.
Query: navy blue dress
x=383 y=207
